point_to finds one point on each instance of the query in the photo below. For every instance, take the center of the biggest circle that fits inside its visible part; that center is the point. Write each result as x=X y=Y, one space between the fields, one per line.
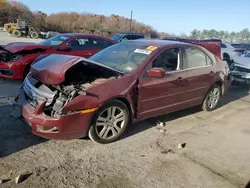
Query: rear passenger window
x=193 y=58
x=137 y=37
x=100 y=43
x=130 y=37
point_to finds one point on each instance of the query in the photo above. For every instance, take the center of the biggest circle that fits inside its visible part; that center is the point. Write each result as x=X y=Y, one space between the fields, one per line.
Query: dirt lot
x=5 y=38
x=216 y=154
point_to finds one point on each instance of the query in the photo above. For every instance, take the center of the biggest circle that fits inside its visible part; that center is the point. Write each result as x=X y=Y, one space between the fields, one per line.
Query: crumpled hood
x=243 y=62
x=51 y=69
x=20 y=46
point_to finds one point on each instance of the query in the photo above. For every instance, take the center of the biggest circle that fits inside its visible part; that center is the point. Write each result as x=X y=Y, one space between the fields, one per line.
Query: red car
x=67 y=97
x=15 y=58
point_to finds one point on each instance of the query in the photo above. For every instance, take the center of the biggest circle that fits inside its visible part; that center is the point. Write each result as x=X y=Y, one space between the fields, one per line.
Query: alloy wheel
x=110 y=122
x=213 y=97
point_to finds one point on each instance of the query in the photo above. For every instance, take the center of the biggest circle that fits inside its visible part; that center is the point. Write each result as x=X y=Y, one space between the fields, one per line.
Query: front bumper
x=66 y=127
x=242 y=77
x=10 y=71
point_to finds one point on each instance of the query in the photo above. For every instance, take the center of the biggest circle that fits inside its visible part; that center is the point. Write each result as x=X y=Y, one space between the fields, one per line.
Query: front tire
x=109 y=123
x=226 y=57
x=212 y=98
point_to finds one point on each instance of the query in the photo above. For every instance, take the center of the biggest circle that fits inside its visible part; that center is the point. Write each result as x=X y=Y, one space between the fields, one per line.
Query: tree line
x=101 y=25
x=73 y=21
x=242 y=36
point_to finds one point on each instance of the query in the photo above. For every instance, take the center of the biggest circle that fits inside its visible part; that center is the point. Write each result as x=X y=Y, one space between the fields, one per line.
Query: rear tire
x=109 y=122
x=17 y=33
x=212 y=98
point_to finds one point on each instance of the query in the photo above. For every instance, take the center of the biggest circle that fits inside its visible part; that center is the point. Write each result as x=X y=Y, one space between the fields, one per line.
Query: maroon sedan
x=15 y=58
x=67 y=97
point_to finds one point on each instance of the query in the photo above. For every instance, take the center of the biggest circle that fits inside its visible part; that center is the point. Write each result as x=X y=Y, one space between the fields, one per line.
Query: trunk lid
x=24 y=46
x=51 y=69
x=214 y=46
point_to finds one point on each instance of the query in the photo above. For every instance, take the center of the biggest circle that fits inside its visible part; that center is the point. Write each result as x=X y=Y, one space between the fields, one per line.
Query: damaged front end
x=57 y=96
x=59 y=79
x=240 y=73
x=5 y=58
x=13 y=62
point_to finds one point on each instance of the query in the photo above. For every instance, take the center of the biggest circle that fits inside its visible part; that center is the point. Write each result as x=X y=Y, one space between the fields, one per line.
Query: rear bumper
x=65 y=127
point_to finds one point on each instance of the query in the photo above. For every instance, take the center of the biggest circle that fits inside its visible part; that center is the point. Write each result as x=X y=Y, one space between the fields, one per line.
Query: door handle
x=181 y=81
x=88 y=54
x=212 y=73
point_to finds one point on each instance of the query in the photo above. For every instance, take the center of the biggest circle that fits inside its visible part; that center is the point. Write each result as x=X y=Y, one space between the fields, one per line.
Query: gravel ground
x=6 y=38
x=216 y=152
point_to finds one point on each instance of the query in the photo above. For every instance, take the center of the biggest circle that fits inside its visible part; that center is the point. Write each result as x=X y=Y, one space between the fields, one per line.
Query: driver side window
x=168 y=60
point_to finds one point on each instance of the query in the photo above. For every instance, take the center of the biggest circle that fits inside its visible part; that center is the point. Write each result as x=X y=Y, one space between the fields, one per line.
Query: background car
x=228 y=52
x=126 y=36
x=244 y=46
x=240 y=69
x=46 y=35
x=15 y=58
x=72 y=97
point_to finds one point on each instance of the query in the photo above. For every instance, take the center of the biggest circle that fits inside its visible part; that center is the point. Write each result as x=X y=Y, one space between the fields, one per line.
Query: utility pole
x=130 y=27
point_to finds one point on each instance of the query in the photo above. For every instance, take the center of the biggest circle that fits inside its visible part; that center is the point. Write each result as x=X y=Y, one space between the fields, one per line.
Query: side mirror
x=156 y=72
x=64 y=48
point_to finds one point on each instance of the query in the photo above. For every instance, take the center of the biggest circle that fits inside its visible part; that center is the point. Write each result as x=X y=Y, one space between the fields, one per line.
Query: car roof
x=81 y=35
x=130 y=34
x=159 y=43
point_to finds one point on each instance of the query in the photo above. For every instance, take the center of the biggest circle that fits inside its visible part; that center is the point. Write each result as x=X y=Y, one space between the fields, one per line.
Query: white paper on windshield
x=142 y=51
x=129 y=68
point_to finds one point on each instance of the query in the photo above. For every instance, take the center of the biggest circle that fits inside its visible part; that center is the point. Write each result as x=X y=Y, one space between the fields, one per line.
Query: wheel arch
x=221 y=84
x=226 y=55
x=218 y=82
x=130 y=108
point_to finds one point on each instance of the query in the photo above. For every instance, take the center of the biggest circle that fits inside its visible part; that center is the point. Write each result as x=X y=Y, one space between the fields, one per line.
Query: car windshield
x=115 y=37
x=56 y=40
x=124 y=57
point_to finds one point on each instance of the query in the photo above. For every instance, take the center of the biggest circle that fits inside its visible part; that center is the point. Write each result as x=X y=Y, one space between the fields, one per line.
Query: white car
x=240 y=69
x=228 y=52
x=245 y=46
